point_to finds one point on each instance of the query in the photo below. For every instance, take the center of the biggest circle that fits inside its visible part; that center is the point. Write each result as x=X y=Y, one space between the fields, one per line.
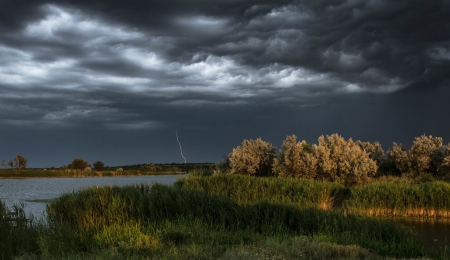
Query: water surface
x=35 y=192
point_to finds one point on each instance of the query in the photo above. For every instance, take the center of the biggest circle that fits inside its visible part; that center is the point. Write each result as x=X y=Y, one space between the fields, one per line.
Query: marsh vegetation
x=306 y=202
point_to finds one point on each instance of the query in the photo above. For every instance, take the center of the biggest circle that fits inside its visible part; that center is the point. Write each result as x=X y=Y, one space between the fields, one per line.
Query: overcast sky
x=114 y=80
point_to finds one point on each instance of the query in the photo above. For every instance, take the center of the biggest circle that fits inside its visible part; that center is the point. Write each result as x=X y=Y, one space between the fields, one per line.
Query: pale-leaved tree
x=343 y=161
x=295 y=159
x=253 y=157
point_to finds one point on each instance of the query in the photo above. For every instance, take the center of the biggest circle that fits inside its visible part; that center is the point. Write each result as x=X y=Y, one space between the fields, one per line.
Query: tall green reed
x=18 y=234
x=91 y=210
x=248 y=189
x=401 y=199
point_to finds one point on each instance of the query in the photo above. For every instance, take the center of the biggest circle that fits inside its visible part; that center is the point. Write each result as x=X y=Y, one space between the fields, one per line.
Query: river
x=34 y=193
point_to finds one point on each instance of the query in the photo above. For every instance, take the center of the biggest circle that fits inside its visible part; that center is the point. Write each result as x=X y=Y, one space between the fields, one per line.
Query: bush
x=295 y=159
x=254 y=157
x=427 y=155
x=343 y=161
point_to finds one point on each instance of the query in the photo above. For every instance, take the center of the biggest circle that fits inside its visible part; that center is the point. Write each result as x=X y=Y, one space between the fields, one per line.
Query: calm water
x=434 y=233
x=34 y=192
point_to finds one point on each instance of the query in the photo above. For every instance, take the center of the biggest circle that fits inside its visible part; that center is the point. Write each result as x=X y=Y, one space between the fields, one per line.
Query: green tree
x=254 y=157
x=98 y=165
x=80 y=164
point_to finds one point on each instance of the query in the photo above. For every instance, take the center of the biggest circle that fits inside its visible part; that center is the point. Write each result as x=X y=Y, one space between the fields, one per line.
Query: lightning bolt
x=181 y=149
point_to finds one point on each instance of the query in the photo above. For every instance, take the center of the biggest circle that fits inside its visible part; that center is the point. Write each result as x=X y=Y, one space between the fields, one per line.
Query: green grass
x=399 y=198
x=222 y=221
x=248 y=189
x=429 y=199
x=18 y=234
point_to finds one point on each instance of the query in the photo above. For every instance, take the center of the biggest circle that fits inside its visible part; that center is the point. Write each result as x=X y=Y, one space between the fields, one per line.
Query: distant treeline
x=128 y=170
x=345 y=161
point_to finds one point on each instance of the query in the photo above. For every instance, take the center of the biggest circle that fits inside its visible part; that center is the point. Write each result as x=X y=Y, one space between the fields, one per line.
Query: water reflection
x=435 y=233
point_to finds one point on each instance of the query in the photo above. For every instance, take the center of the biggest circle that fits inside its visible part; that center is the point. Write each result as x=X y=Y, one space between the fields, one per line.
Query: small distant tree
x=19 y=163
x=98 y=165
x=9 y=163
x=295 y=159
x=79 y=164
x=254 y=157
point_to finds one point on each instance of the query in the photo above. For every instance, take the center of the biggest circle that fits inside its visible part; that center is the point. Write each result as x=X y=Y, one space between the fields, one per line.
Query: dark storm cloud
x=216 y=66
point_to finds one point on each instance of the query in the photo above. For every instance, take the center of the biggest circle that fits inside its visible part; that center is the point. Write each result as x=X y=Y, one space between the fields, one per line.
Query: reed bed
x=17 y=232
x=429 y=199
x=248 y=189
x=376 y=199
x=93 y=210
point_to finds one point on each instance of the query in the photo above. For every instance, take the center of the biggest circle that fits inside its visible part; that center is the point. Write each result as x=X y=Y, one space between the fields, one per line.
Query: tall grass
x=248 y=189
x=93 y=210
x=429 y=199
x=399 y=198
x=18 y=234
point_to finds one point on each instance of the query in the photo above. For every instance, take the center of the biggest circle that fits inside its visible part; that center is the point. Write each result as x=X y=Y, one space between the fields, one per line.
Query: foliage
x=343 y=161
x=420 y=153
x=254 y=157
x=19 y=163
x=79 y=164
x=393 y=197
x=250 y=189
x=95 y=213
x=295 y=159
x=429 y=199
x=427 y=155
x=18 y=234
x=98 y=165
x=374 y=150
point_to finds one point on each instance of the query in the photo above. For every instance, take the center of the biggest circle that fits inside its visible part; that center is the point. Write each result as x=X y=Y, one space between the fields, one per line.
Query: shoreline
x=90 y=176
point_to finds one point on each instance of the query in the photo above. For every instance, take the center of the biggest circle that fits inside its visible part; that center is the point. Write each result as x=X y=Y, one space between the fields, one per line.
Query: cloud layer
x=151 y=65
